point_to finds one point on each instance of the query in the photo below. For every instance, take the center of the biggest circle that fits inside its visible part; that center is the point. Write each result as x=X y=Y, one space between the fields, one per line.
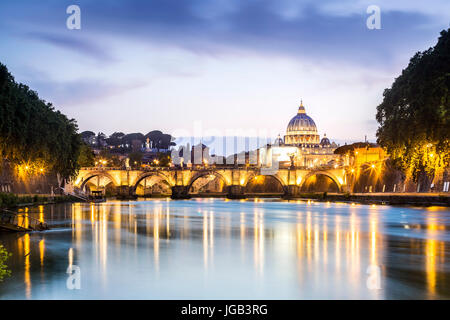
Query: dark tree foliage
x=115 y=139
x=349 y=148
x=87 y=134
x=415 y=112
x=135 y=159
x=117 y=135
x=129 y=138
x=160 y=140
x=164 y=159
x=112 y=160
x=4 y=256
x=86 y=157
x=32 y=131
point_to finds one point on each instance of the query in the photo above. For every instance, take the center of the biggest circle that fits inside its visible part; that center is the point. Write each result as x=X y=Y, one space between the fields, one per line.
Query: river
x=230 y=249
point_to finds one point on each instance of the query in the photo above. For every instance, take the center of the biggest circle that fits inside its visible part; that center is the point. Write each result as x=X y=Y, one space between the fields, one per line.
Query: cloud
x=77 y=93
x=73 y=43
x=315 y=30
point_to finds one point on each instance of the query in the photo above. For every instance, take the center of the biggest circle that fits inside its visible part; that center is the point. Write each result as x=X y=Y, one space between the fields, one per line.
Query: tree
x=115 y=139
x=87 y=135
x=112 y=160
x=349 y=148
x=86 y=157
x=4 y=255
x=129 y=138
x=164 y=159
x=101 y=139
x=117 y=135
x=414 y=116
x=135 y=159
x=160 y=140
x=32 y=133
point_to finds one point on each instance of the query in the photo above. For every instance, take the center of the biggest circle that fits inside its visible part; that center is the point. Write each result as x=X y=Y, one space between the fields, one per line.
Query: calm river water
x=220 y=249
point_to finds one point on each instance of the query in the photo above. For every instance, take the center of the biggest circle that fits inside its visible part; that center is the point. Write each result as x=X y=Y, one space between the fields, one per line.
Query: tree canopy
x=33 y=133
x=349 y=148
x=4 y=256
x=86 y=157
x=160 y=140
x=414 y=116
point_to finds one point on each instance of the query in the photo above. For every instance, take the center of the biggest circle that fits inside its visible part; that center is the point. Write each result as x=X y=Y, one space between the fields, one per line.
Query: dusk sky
x=137 y=66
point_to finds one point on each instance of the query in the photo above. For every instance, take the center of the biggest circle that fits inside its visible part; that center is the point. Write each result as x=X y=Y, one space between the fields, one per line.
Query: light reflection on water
x=214 y=248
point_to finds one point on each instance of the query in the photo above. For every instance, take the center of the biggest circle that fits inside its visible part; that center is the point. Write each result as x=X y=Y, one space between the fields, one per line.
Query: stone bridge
x=235 y=179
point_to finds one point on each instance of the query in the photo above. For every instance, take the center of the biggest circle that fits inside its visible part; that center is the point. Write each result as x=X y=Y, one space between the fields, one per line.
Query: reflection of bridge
x=234 y=179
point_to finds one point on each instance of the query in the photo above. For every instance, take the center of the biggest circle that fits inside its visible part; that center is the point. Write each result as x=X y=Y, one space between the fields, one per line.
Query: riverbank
x=9 y=200
x=426 y=199
x=409 y=199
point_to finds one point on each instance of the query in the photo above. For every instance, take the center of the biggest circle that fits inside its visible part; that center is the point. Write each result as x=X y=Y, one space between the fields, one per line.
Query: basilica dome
x=302 y=130
x=325 y=142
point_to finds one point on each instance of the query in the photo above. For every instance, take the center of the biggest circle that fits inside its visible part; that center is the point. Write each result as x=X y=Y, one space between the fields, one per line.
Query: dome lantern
x=301 y=108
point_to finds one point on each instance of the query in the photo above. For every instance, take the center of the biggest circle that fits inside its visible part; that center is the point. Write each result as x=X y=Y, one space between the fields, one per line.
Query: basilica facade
x=302 y=145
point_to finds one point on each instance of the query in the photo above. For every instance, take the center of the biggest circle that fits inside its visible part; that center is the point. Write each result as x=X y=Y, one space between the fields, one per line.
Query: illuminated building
x=301 y=146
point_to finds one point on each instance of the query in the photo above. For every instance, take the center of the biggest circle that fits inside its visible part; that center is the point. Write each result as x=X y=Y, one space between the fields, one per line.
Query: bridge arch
x=91 y=175
x=254 y=176
x=164 y=178
x=323 y=173
x=204 y=174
